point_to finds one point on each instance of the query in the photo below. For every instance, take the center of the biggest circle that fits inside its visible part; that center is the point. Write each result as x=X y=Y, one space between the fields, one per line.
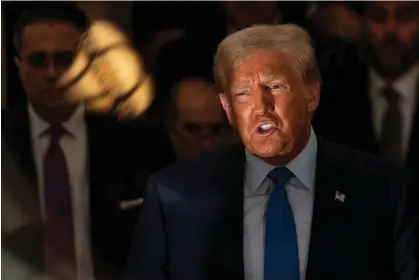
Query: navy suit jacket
x=192 y=220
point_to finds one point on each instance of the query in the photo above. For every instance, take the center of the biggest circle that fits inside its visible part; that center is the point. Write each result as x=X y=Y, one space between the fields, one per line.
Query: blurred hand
x=108 y=74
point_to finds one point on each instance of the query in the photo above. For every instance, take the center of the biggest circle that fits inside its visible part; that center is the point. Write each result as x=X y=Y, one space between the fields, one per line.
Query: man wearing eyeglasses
x=195 y=118
x=75 y=162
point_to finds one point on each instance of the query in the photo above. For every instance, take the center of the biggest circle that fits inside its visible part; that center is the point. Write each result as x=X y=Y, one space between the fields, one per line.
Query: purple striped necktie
x=60 y=259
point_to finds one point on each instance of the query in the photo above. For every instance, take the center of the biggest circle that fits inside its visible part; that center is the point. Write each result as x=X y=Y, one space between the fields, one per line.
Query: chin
x=269 y=150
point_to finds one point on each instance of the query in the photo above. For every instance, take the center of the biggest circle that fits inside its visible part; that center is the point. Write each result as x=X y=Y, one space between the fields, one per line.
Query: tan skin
x=392 y=34
x=46 y=52
x=267 y=88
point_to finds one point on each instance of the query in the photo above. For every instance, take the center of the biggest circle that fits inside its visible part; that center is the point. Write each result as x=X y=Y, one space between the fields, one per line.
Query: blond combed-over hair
x=286 y=39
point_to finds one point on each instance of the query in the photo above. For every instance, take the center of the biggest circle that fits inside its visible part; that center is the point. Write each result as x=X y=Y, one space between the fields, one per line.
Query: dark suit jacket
x=192 y=223
x=345 y=113
x=118 y=171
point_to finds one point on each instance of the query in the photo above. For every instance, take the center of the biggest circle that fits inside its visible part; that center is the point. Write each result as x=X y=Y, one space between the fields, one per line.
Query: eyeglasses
x=198 y=130
x=41 y=59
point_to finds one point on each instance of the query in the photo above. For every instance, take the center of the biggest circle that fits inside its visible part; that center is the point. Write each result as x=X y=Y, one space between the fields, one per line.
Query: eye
x=64 y=59
x=278 y=88
x=37 y=59
x=377 y=14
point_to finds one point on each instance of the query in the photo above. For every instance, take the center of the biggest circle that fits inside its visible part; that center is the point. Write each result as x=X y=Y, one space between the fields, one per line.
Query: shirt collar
x=303 y=166
x=73 y=125
x=405 y=85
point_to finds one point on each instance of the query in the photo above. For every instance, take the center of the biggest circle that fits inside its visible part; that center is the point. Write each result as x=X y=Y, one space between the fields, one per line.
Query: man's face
x=200 y=122
x=47 y=50
x=392 y=36
x=242 y=14
x=270 y=105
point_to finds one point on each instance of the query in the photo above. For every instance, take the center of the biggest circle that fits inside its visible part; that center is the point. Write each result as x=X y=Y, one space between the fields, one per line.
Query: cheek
x=408 y=32
x=374 y=32
x=292 y=112
x=31 y=77
x=241 y=115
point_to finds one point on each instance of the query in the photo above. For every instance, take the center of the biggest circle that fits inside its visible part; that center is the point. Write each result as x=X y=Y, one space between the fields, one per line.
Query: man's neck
x=376 y=78
x=391 y=79
x=55 y=115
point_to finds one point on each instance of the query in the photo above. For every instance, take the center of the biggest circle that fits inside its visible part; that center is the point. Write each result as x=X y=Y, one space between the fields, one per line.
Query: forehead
x=265 y=66
x=197 y=100
x=50 y=37
x=391 y=6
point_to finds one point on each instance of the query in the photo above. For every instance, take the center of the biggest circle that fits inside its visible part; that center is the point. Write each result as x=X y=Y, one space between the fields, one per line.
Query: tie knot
x=391 y=95
x=281 y=175
x=56 y=132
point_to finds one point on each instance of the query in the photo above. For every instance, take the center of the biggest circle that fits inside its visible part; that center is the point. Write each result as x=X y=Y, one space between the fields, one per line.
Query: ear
x=314 y=97
x=17 y=62
x=225 y=101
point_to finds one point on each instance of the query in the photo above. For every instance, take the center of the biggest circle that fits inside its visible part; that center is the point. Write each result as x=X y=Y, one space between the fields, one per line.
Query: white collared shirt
x=300 y=191
x=74 y=147
x=406 y=86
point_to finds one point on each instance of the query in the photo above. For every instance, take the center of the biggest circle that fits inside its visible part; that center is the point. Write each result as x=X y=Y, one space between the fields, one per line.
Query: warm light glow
x=106 y=69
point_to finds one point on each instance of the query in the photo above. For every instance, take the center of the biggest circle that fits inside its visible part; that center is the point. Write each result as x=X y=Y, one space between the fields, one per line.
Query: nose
x=52 y=73
x=264 y=102
x=390 y=25
x=208 y=143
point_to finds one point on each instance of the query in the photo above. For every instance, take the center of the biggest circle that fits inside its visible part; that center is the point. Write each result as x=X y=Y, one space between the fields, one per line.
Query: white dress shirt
x=406 y=86
x=300 y=191
x=74 y=147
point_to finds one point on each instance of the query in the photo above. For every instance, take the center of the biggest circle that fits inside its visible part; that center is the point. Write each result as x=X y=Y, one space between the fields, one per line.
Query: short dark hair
x=171 y=99
x=46 y=12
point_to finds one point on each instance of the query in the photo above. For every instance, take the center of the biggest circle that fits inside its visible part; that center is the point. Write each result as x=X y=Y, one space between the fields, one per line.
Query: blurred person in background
x=78 y=165
x=195 y=118
x=192 y=55
x=374 y=105
x=336 y=19
x=155 y=24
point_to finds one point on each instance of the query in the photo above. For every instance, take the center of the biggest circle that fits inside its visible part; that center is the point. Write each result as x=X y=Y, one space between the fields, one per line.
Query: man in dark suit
x=195 y=119
x=373 y=104
x=287 y=205
x=77 y=165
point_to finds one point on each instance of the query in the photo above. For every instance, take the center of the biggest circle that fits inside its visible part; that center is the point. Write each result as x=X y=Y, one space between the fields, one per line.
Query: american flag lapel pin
x=339 y=196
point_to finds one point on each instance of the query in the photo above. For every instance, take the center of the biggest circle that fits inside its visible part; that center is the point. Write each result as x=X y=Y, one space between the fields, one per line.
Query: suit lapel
x=227 y=260
x=104 y=187
x=328 y=210
x=20 y=139
x=413 y=154
x=365 y=120
x=95 y=199
x=28 y=241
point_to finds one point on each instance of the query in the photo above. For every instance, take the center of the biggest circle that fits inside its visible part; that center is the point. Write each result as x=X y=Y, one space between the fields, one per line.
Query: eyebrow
x=264 y=79
x=272 y=77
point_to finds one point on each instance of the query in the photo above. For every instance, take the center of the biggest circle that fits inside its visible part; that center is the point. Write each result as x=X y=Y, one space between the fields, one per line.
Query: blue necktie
x=281 y=247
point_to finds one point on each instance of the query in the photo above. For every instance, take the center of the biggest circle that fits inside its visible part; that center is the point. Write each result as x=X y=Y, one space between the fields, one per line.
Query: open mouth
x=265 y=129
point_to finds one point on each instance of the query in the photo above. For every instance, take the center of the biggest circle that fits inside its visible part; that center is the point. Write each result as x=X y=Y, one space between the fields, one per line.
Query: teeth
x=266 y=126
